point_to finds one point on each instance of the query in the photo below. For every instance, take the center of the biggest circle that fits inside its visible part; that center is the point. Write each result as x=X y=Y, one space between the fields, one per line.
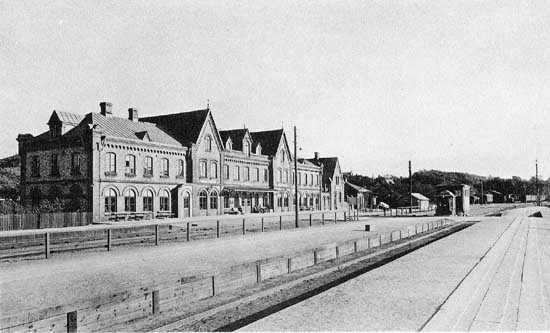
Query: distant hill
x=10 y=169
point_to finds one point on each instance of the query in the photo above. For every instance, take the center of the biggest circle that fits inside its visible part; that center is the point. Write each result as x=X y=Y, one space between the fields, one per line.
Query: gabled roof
x=65 y=117
x=357 y=187
x=123 y=128
x=236 y=136
x=268 y=139
x=420 y=197
x=329 y=165
x=185 y=127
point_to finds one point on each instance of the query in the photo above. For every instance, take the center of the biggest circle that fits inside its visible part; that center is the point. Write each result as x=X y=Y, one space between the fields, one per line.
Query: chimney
x=133 y=114
x=106 y=109
x=316 y=155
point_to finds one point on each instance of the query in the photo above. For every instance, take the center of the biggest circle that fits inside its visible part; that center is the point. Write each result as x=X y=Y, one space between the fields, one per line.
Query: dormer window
x=259 y=149
x=246 y=148
x=229 y=144
x=55 y=130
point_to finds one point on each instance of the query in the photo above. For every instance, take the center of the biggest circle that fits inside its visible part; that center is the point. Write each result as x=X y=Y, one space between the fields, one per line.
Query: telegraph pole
x=481 y=180
x=295 y=178
x=410 y=188
x=537 y=181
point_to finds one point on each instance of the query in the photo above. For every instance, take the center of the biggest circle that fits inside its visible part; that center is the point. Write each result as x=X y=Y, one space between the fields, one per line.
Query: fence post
x=335 y=217
x=354 y=246
x=368 y=243
x=244 y=226
x=262 y=224
x=72 y=322
x=156 y=234
x=380 y=240
x=280 y=222
x=315 y=257
x=391 y=236
x=345 y=217
x=47 y=245
x=289 y=265
x=399 y=233
x=258 y=272
x=156 y=301
x=218 y=229
x=323 y=218
x=187 y=231
x=337 y=252
x=310 y=219
x=109 y=239
x=213 y=286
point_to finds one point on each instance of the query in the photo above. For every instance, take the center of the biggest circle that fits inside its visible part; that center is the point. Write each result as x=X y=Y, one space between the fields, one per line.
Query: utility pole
x=481 y=191
x=537 y=180
x=410 y=188
x=295 y=178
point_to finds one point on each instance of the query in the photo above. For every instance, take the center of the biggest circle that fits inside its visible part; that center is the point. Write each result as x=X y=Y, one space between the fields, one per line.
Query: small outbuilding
x=356 y=196
x=420 y=201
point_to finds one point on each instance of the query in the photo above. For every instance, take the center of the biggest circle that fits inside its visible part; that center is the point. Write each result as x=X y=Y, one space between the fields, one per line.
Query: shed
x=420 y=201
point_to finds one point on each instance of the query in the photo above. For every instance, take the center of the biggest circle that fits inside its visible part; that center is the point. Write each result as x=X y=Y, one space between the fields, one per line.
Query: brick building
x=170 y=165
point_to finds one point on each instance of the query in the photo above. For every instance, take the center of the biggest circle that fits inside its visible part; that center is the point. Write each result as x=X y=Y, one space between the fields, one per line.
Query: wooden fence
x=105 y=312
x=33 y=243
x=44 y=220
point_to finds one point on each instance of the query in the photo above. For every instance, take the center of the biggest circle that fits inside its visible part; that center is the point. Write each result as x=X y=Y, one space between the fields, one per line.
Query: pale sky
x=450 y=85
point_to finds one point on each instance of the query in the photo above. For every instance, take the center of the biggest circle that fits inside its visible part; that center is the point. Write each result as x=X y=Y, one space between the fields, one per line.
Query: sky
x=450 y=85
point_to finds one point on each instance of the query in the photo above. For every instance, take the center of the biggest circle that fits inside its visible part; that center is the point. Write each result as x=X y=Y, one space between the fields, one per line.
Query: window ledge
x=110 y=174
x=130 y=174
x=164 y=176
x=148 y=175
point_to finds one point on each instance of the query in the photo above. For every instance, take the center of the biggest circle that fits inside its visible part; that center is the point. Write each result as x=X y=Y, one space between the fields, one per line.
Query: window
x=280 y=176
x=286 y=176
x=148 y=201
x=246 y=173
x=110 y=163
x=237 y=174
x=305 y=179
x=213 y=200
x=203 y=200
x=181 y=168
x=203 y=166
x=258 y=149
x=226 y=202
x=130 y=201
x=164 y=200
x=130 y=165
x=208 y=143
x=282 y=155
x=148 y=169
x=257 y=174
x=186 y=200
x=110 y=201
x=164 y=167
x=266 y=175
x=246 y=148
x=229 y=145
x=213 y=170
x=54 y=167
x=317 y=180
x=36 y=196
x=35 y=166
x=279 y=200
x=293 y=176
x=311 y=180
x=299 y=178
x=286 y=199
x=226 y=171
x=75 y=163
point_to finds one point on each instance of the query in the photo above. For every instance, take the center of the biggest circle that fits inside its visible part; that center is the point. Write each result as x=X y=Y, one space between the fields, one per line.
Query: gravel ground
x=65 y=278
x=401 y=295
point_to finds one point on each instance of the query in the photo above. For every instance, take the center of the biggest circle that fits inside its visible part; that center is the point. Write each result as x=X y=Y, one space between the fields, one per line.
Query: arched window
x=75 y=164
x=203 y=169
x=259 y=149
x=110 y=162
x=226 y=171
x=237 y=173
x=148 y=168
x=282 y=155
x=165 y=167
x=130 y=200
x=286 y=199
x=203 y=200
x=213 y=170
x=181 y=168
x=164 y=200
x=148 y=201
x=246 y=173
x=130 y=165
x=208 y=143
x=110 y=201
x=246 y=148
x=213 y=200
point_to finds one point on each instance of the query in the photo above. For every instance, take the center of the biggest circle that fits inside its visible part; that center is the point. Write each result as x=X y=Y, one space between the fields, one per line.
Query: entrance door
x=186 y=204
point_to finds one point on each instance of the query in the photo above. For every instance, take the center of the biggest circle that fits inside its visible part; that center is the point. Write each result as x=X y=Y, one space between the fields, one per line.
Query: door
x=186 y=204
